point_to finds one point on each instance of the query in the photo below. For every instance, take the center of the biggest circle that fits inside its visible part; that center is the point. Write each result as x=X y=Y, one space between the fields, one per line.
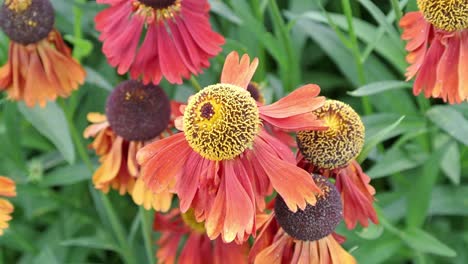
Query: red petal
x=238 y=73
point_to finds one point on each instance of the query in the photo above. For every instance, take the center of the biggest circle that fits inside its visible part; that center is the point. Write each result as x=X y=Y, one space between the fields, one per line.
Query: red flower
x=198 y=248
x=7 y=188
x=438 y=49
x=224 y=164
x=178 y=39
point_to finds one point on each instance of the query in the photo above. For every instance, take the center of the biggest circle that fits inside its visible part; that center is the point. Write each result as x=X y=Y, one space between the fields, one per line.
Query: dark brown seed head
x=27 y=21
x=138 y=112
x=158 y=4
x=316 y=221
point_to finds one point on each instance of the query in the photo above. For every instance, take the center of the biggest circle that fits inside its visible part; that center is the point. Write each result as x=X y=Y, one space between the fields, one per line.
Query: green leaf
x=50 y=121
x=379 y=87
x=371 y=142
x=66 y=175
x=419 y=193
x=398 y=159
x=424 y=242
x=224 y=11
x=82 y=47
x=451 y=121
x=371 y=232
x=96 y=242
x=95 y=78
x=46 y=256
x=450 y=162
x=449 y=200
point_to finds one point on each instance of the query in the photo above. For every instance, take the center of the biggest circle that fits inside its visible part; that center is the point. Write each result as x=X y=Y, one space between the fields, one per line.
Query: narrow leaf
x=451 y=121
x=50 y=121
x=424 y=242
x=379 y=87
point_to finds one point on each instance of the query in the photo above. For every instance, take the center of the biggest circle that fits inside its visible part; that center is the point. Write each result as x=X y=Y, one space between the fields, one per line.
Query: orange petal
x=238 y=73
x=7 y=187
x=300 y=101
x=295 y=185
x=111 y=165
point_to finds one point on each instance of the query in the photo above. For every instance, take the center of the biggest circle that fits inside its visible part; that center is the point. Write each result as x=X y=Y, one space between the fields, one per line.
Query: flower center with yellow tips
x=340 y=143
x=156 y=10
x=190 y=220
x=221 y=121
x=448 y=15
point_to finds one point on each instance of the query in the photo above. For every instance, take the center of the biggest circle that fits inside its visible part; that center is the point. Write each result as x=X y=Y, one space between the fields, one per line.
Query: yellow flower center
x=340 y=143
x=154 y=10
x=221 y=121
x=449 y=15
x=18 y=5
x=191 y=221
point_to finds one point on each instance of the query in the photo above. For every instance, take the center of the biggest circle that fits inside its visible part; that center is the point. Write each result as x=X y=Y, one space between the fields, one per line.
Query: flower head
x=224 y=164
x=340 y=143
x=7 y=188
x=177 y=38
x=438 y=47
x=198 y=248
x=39 y=66
x=135 y=115
x=305 y=236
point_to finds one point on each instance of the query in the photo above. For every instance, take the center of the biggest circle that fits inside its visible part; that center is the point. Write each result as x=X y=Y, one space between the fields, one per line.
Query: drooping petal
x=233 y=211
x=357 y=196
x=293 y=184
x=7 y=187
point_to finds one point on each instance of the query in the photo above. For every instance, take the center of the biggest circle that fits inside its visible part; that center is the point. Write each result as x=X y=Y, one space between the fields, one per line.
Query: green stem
x=145 y=217
x=397 y=10
x=290 y=71
x=346 y=4
x=77 y=15
x=195 y=83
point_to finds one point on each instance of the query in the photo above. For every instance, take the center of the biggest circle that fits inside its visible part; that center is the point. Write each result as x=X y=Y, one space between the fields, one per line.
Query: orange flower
x=139 y=113
x=438 y=49
x=224 y=163
x=331 y=153
x=305 y=236
x=357 y=194
x=198 y=248
x=7 y=188
x=40 y=66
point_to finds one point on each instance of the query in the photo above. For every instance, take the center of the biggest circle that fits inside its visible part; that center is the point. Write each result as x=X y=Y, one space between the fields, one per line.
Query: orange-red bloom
x=39 y=66
x=119 y=169
x=8 y=189
x=225 y=164
x=438 y=49
x=178 y=39
x=274 y=246
x=357 y=194
x=39 y=72
x=198 y=248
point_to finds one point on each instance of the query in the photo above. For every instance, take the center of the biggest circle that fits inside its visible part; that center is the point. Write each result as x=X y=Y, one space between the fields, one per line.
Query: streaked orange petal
x=300 y=101
x=238 y=72
x=295 y=185
x=111 y=165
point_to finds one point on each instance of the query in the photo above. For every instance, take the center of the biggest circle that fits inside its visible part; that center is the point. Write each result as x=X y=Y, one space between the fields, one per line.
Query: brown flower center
x=156 y=10
x=138 y=112
x=316 y=221
x=27 y=21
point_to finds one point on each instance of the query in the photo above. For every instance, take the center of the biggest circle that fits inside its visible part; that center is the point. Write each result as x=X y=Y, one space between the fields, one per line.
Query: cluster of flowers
x=226 y=157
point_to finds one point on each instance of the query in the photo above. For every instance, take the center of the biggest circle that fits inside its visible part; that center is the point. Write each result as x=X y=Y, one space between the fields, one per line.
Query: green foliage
x=416 y=149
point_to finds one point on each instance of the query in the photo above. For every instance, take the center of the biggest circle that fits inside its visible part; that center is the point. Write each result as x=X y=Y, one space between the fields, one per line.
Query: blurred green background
x=415 y=152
